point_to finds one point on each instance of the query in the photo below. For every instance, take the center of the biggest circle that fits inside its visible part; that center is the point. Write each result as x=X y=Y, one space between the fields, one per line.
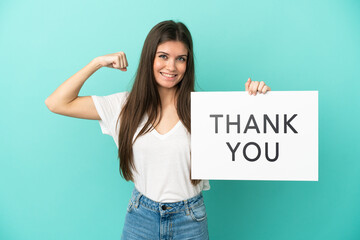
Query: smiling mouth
x=168 y=75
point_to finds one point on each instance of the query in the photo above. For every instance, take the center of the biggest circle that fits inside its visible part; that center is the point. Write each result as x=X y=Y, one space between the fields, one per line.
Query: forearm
x=69 y=90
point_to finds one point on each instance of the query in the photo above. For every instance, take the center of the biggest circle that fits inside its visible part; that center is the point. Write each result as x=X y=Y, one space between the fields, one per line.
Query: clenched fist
x=114 y=60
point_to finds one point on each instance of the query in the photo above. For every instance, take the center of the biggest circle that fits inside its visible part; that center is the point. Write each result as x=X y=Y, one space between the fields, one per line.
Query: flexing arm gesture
x=65 y=100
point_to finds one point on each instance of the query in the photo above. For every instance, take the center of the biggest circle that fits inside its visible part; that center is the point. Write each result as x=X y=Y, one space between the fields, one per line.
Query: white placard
x=272 y=136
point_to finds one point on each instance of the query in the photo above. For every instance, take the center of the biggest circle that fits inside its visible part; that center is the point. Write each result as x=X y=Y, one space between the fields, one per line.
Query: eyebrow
x=168 y=54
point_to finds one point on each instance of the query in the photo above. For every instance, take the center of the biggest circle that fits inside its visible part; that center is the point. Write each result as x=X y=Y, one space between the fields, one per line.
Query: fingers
x=254 y=86
x=247 y=84
x=261 y=86
x=123 y=62
x=122 y=65
x=116 y=62
x=119 y=61
x=265 y=89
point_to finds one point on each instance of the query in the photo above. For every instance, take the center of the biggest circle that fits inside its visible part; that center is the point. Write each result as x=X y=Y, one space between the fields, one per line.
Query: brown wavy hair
x=144 y=97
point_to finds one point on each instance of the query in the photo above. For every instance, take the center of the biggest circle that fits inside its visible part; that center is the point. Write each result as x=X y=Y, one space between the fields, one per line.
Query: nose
x=171 y=65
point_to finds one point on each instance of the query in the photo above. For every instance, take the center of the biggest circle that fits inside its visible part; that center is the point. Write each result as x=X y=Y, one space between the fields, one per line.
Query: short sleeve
x=108 y=108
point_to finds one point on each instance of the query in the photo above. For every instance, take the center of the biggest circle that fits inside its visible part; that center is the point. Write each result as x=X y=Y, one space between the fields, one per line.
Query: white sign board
x=272 y=136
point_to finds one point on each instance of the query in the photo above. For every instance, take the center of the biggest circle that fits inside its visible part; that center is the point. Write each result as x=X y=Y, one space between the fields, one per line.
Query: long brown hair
x=144 y=97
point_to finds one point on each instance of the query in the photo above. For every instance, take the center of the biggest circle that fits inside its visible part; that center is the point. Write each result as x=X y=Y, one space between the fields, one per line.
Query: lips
x=168 y=75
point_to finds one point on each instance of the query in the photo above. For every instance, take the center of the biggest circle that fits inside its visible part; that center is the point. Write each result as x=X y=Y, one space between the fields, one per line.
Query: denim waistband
x=172 y=207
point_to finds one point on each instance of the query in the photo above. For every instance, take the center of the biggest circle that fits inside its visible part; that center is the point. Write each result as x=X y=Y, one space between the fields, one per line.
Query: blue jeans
x=183 y=220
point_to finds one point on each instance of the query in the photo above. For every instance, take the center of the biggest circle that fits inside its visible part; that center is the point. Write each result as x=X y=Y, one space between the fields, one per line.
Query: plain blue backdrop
x=59 y=176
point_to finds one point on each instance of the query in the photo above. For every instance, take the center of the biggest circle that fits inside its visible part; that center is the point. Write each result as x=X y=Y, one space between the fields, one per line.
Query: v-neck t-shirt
x=162 y=161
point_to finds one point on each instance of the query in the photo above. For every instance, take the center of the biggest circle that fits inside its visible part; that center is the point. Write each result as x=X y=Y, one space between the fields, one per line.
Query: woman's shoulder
x=118 y=97
x=112 y=101
x=121 y=95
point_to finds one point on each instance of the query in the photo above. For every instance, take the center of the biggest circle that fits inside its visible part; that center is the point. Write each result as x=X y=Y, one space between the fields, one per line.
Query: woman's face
x=170 y=63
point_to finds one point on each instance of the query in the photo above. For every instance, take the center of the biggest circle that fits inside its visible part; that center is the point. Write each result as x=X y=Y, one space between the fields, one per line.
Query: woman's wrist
x=96 y=63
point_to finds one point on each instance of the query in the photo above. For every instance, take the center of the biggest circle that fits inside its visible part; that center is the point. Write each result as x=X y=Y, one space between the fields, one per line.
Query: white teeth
x=168 y=75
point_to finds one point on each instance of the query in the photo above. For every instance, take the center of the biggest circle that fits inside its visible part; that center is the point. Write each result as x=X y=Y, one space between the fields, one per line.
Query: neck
x=167 y=96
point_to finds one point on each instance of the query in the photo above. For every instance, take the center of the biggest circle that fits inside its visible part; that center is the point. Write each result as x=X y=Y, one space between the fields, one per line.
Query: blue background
x=59 y=176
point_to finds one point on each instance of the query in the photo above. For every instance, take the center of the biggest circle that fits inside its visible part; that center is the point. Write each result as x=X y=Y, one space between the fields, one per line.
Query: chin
x=168 y=86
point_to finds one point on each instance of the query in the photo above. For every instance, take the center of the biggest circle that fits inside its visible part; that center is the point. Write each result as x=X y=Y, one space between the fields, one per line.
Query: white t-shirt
x=162 y=161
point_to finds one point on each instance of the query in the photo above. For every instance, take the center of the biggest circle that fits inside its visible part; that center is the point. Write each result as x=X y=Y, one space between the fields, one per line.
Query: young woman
x=151 y=128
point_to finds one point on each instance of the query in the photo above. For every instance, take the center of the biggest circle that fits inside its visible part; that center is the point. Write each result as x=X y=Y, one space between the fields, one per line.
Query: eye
x=161 y=56
x=182 y=59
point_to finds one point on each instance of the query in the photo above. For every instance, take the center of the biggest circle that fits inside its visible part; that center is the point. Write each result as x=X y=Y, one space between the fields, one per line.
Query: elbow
x=48 y=105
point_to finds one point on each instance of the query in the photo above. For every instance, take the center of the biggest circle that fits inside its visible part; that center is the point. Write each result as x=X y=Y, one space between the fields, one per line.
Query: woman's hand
x=114 y=60
x=254 y=86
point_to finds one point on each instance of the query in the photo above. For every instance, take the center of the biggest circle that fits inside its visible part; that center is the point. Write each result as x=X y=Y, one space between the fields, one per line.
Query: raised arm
x=65 y=100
